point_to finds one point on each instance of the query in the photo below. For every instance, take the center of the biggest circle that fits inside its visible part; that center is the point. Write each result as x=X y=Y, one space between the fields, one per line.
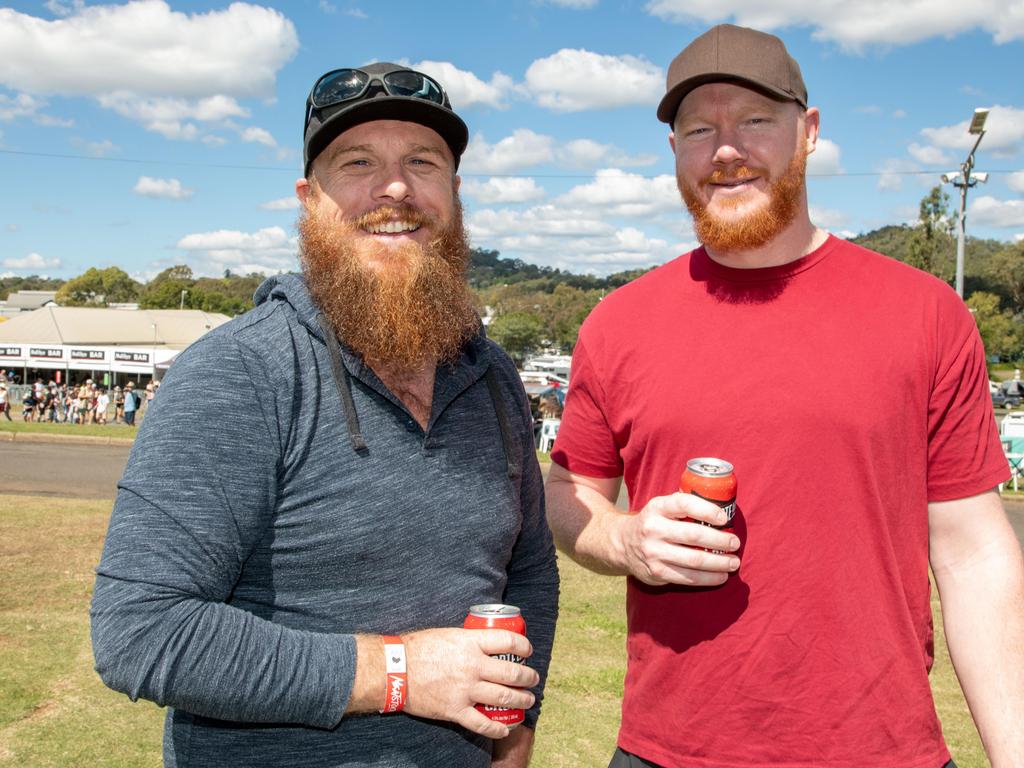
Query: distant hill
x=488 y=269
x=894 y=240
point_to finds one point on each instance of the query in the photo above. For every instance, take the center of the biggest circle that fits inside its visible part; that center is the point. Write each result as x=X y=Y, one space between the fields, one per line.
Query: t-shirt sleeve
x=965 y=456
x=586 y=444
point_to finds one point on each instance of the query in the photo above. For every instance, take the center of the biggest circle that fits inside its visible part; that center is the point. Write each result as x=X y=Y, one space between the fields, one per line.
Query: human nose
x=393 y=184
x=729 y=149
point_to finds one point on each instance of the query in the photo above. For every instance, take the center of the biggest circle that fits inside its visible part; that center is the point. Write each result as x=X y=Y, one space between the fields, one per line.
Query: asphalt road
x=92 y=472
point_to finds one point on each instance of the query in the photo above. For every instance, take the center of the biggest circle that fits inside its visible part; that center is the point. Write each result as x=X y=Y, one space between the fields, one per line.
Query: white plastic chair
x=548 y=433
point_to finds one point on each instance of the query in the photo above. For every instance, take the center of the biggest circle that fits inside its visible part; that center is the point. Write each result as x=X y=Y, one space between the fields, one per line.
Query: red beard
x=760 y=226
x=413 y=313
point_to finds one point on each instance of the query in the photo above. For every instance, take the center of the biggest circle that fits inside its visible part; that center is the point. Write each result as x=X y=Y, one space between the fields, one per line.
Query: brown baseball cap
x=733 y=54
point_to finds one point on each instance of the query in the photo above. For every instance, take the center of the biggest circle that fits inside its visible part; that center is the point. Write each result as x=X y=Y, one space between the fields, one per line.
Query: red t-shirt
x=848 y=390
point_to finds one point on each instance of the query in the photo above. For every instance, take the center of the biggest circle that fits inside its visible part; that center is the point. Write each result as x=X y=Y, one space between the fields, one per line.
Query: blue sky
x=153 y=133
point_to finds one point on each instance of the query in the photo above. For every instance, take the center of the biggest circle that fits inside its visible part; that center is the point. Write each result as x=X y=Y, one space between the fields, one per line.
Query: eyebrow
x=352 y=148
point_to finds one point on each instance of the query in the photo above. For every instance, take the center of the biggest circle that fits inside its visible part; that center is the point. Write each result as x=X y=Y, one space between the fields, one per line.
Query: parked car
x=1001 y=399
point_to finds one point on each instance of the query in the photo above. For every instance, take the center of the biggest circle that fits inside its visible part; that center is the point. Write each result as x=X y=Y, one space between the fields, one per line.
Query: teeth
x=392 y=228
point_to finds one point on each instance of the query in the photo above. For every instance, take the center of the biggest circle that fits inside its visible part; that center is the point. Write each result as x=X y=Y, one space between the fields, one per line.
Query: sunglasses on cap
x=343 y=85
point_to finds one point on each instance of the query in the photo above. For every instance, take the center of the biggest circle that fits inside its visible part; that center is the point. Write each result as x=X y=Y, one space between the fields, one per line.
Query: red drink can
x=499 y=616
x=715 y=481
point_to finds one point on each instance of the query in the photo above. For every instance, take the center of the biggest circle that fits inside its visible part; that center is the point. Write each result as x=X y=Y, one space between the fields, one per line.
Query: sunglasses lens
x=339 y=86
x=406 y=83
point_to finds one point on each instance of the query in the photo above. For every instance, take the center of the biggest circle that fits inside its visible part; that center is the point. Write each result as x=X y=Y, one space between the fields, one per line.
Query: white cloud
x=618 y=193
x=327 y=7
x=514 y=189
x=32 y=261
x=24 y=105
x=170 y=71
x=989 y=211
x=828 y=218
x=96 y=148
x=549 y=220
x=169 y=116
x=268 y=251
x=258 y=136
x=572 y=80
x=856 y=25
x=927 y=155
x=1004 y=133
x=21 y=105
x=824 y=161
x=526 y=149
x=566 y=238
x=466 y=89
x=225 y=239
x=144 y=47
x=281 y=204
x=522 y=149
x=892 y=171
x=167 y=189
x=587 y=153
x=64 y=9
x=1015 y=181
x=11 y=227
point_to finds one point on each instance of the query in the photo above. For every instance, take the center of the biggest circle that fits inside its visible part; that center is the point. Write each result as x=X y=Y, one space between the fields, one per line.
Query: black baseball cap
x=727 y=53
x=345 y=98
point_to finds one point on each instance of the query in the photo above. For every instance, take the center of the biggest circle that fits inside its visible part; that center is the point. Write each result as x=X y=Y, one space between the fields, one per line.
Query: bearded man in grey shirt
x=376 y=477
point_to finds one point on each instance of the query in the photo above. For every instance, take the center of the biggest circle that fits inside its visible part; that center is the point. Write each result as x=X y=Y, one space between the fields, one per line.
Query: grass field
x=55 y=713
x=87 y=430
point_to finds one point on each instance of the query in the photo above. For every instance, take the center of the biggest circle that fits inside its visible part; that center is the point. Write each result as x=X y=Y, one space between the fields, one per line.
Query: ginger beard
x=413 y=312
x=759 y=226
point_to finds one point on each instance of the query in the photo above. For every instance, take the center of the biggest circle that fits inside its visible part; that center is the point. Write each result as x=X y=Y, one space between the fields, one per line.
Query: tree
x=164 y=290
x=518 y=333
x=932 y=247
x=1006 y=271
x=1000 y=333
x=98 y=287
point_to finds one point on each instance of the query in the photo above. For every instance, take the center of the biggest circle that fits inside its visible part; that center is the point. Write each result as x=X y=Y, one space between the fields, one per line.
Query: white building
x=110 y=346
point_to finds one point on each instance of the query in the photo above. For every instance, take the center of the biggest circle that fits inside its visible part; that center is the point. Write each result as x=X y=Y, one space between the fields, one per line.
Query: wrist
x=369 y=684
x=395 y=680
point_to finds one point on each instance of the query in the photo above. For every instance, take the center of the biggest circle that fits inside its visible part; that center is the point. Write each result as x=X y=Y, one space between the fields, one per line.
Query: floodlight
x=978 y=121
x=980 y=177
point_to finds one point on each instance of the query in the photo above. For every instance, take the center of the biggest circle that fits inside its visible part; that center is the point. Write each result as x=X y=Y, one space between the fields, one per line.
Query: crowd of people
x=87 y=402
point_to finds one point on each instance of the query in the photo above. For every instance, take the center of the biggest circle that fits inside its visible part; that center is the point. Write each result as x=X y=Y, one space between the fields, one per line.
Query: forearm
x=983 y=616
x=216 y=660
x=586 y=525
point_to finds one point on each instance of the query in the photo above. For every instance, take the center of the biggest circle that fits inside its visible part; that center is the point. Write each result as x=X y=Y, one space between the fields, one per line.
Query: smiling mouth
x=391 y=227
x=733 y=182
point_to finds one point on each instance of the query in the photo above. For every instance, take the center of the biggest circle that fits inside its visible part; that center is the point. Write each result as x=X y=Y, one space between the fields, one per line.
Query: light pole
x=964 y=179
x=183 y=292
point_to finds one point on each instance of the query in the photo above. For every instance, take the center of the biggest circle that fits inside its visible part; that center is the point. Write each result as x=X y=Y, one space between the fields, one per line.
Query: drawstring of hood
x=504 y=426
x=343 y=382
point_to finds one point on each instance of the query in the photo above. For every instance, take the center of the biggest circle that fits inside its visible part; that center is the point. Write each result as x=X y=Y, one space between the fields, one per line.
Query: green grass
x=55 y=713
x=91 y=430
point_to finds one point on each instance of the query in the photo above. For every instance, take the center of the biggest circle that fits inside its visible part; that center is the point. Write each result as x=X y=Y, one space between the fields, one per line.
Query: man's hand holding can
x=680 y=539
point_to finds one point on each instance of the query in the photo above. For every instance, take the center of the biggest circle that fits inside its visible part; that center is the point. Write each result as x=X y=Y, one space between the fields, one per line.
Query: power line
x=290 y=169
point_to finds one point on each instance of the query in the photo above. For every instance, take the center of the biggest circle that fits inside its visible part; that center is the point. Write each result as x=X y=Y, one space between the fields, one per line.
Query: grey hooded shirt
x=274 y=506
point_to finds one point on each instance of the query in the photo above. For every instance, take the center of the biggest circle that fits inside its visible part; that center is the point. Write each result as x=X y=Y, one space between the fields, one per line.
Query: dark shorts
x=623 y=759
